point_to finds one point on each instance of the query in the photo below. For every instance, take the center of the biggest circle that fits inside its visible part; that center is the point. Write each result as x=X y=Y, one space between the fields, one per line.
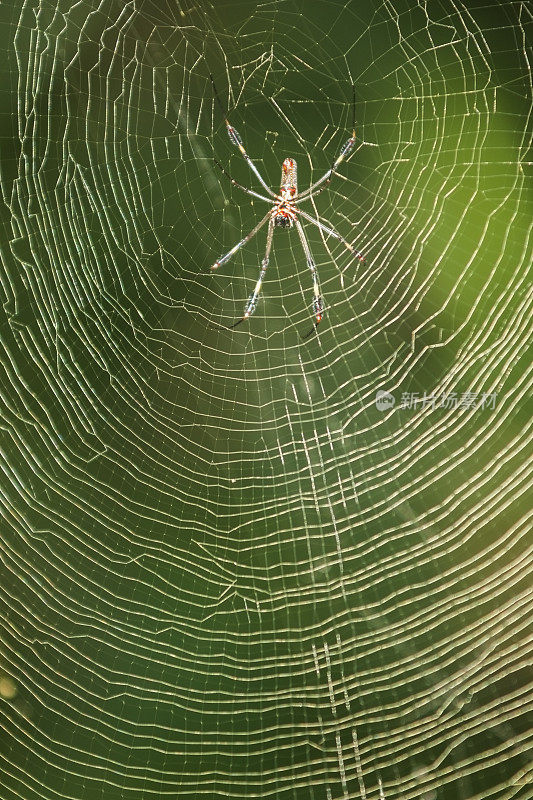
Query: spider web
x=227 y=571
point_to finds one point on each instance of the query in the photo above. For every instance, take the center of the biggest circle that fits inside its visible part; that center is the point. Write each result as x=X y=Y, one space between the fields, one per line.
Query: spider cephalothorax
x=284 y=213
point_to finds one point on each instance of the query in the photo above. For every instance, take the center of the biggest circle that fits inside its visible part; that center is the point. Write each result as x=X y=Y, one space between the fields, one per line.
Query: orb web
x=229 y=569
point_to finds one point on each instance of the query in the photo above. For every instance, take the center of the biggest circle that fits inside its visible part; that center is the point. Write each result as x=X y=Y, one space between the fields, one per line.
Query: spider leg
x=332 y=232
x=344 y=152
x=236 y=140
x=239 y=186
x=251 y=305
x=237 y=247
x=318 y=303
x=346 y=149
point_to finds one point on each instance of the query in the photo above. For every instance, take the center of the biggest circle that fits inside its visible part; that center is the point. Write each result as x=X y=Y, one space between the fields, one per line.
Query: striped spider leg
x=318 y=303
x=254 y=297
x=235 y=139
x=344 y=152
x=331 y=232
x=237 y=247
x=284 y=213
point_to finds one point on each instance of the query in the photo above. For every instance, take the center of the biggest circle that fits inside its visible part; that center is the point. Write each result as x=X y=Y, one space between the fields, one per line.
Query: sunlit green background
x=225 y=572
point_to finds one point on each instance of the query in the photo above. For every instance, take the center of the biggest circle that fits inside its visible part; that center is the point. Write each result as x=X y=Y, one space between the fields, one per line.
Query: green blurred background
x=225 y=571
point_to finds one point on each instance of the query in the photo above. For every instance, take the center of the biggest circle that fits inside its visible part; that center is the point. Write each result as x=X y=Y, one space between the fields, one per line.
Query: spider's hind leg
x=237 y=247
x=251 y=305
x=318 y=302
x=334 y=233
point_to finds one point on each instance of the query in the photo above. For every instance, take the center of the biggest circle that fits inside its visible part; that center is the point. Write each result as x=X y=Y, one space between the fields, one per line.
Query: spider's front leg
x=344 y=152
x=236 y=140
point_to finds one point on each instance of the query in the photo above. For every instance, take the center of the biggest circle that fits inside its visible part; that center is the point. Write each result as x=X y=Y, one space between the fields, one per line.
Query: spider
x=284 y=213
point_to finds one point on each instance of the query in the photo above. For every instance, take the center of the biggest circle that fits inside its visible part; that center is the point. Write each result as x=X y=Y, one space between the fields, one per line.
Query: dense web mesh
x=227 y=570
